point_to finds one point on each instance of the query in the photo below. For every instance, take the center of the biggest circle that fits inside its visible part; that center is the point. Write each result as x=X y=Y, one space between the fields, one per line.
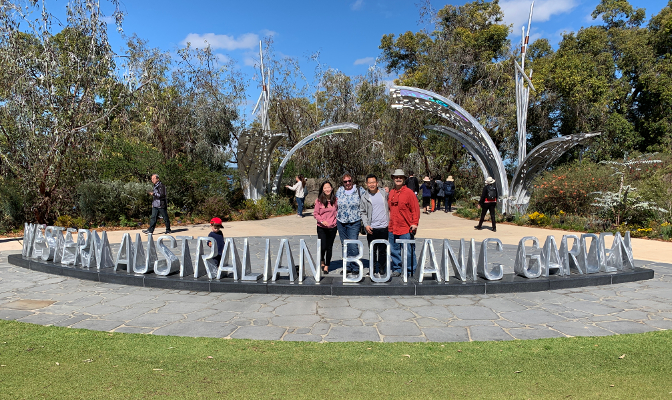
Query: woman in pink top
x=325 y=214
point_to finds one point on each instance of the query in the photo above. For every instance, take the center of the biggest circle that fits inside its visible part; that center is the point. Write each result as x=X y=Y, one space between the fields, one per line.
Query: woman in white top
x=300 y=189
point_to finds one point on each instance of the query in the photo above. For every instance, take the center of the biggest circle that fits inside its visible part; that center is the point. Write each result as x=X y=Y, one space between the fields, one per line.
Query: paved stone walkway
x=45 y=299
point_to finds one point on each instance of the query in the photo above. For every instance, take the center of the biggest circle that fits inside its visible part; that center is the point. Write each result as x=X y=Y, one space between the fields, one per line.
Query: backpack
x=448 y=188
x=435 y=189
x=439 y=184
x=491 y=192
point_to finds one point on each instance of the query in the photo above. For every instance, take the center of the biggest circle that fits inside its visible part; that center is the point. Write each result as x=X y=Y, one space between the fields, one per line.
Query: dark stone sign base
x=333 y=284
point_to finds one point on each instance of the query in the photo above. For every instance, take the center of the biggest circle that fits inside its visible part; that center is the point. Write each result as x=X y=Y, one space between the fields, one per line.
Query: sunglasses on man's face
x=398 y=177
x=347 y=181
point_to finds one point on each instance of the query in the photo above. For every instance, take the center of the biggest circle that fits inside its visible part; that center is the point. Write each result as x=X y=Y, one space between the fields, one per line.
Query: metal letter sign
x=588 y=254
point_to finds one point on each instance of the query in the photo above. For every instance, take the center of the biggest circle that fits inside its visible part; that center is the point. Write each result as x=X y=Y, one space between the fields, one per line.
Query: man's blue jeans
x=395 y=253
x=349 y=230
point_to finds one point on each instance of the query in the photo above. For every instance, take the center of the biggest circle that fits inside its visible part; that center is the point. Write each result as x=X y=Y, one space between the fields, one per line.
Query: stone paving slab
x=592 y=311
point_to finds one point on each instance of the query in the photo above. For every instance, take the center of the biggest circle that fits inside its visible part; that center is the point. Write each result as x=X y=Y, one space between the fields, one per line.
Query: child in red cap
x=218 y=236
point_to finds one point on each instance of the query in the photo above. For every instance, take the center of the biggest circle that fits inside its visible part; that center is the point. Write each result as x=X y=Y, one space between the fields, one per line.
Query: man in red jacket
x=404 y=219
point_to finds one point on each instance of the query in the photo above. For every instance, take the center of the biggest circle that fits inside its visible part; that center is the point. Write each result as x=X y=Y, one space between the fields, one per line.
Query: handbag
x=362 y=228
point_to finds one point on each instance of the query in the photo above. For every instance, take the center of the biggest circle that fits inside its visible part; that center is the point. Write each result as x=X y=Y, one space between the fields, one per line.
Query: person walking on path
x=404 y=219
x=488 y=202
x=438 y=189
x=218 y=236
x=300 y=193
x=159 y=205
x=348 y=219
x=426 y=188
x=412 y=183
x=448 y=193
x=375 y=215
x=325 y=215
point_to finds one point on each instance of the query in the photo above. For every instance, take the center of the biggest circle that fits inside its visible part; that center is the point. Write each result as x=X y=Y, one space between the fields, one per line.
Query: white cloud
x=365 y=61
x=357 y=5
x=250 y=61
x=226 y=42
x=223 y=59
x=268 y=32
x=516 y=12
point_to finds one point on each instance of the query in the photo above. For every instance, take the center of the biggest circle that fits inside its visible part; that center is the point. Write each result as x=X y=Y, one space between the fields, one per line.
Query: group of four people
x=388 y=214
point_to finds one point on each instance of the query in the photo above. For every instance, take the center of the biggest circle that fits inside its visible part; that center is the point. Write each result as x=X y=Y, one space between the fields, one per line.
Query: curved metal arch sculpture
x=419 y=99
x=469 y=144
x=538 y=160
x=315 y=135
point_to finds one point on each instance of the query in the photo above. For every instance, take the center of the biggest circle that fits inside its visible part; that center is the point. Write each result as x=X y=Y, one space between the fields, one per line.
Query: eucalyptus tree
x=57 y=89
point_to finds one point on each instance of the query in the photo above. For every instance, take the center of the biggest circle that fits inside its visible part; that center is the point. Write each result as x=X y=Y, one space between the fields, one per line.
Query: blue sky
x=346 y=33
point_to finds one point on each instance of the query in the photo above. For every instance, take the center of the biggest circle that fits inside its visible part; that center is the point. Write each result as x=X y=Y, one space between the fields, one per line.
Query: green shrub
x=278 y=205
x=214 y=206
x=11 y=206
x=570 y=188
x=108 y=201
x=66 y=221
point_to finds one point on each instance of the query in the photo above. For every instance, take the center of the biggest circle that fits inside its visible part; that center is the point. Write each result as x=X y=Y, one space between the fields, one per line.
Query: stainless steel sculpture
x=125 y=255
x=435 y=268
x=514 y=197
x=255 y=147
x=404 y=256
x=329 y=130
x=463 y=264
x=589 y=254
x=70 y=252
x=388 y=264
x=246 y=267
x=290 y=269
x=204 y=261
x=85 y=247
x=101 y=250
x=357 y=259
x=528 y=265
x=522 y=92
x=539 y=160
x=143 y=263
x=54 y=236
x=28 y=238
x=550 y=258
x=465 y=126
x=497 y=271
x=230 y=253
x=186 y=266
x=313 y=264
x=170 y=262
x=569 y=258
x=39 y=241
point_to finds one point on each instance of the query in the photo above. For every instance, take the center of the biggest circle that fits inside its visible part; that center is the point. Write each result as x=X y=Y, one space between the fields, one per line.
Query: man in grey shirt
x=375 y=218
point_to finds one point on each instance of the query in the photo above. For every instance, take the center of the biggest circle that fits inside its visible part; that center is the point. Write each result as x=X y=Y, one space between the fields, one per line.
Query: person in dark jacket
x=426 y=189
x=437 y=193
x=159 y=205
x=217 y=234
x=412 y=183
x=488 y=202
x=448 y=193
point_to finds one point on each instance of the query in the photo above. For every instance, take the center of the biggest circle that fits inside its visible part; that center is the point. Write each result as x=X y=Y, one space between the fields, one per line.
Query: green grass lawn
x=61 y=363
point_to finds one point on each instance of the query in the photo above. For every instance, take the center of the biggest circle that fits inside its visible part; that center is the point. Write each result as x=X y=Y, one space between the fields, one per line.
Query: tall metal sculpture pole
x=255 y=147
x=522 y=92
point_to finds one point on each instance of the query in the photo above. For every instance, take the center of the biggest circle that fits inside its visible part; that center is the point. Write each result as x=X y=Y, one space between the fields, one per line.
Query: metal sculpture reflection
x=329 y=130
